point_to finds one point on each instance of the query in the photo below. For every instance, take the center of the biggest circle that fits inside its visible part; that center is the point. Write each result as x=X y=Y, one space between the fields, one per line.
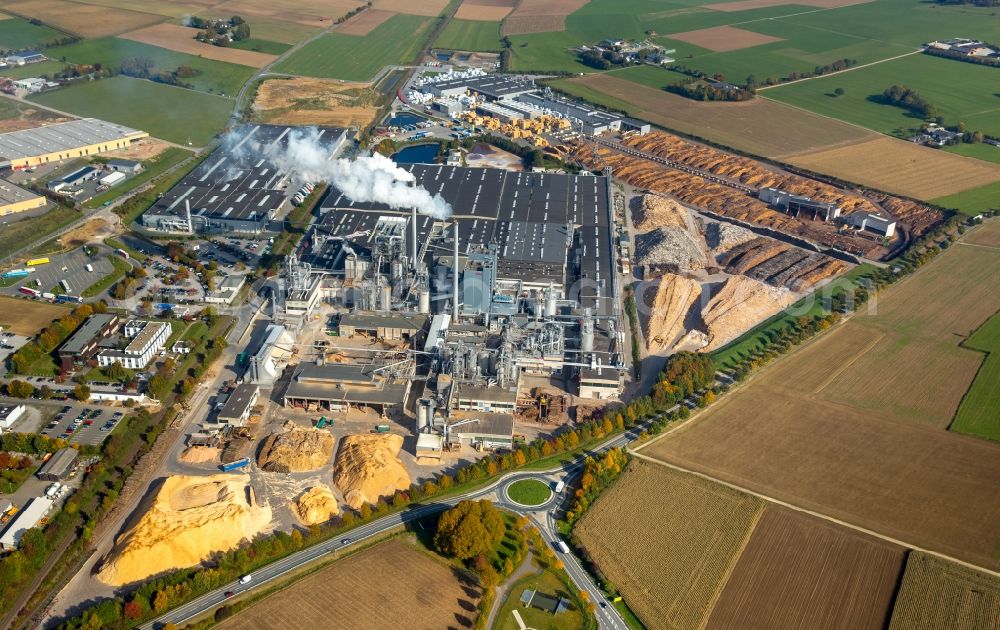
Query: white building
x=872 y=222
x=148 y=339
x=25 y=520
x=9 y=413
x=30 y=85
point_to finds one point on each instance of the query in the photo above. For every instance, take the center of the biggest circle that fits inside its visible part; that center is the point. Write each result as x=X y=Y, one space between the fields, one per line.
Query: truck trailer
x=239 y=463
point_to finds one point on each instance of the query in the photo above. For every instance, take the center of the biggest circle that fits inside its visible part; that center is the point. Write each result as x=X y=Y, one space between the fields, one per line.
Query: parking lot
x=71 y=267
x=9 y=343
x=83 y=424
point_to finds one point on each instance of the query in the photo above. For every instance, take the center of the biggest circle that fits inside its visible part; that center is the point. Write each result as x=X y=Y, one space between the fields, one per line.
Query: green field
x=20 y=34
x=546 y=582
x=529 y=492
x=359 y=58
x=470 y=35
x=980 y=151
x=32 y=70
x=168 y=112
x=973 y=201
x=151 y=168
x=26 y=231
x=961 y=91
x=978 y=413
x=262 y=45
x=212 y=76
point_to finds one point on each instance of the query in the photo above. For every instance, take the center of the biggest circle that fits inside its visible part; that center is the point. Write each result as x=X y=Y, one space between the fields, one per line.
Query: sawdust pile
x=653 y=211
x=200 y=454
x=674 y=297
x=367 y=468
x=738 y=305
x=91 y=230
x=295 y=449
x=316 y=505
x=721 y=237
x=672 y=249
x=187 y=520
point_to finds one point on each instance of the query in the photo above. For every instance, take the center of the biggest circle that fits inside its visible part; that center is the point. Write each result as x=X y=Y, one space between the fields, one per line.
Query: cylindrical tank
x=386 y=297
x=425 y=300
x=425 y=413
x=397 y=270
x=550 y=303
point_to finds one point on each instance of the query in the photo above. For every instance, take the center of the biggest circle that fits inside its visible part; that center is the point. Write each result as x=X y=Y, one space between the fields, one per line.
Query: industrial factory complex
x=236 y=189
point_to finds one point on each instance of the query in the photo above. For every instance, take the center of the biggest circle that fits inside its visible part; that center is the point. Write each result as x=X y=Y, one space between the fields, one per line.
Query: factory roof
x=59 y=464
x=9 y=193
x=491 y=85
x=239 y=402
x=343 y=382
x=124 y=162
x=25 y=520
x=237 y=182
x=86 y=332
x=372 y=319
x=501 y=424
x=62 y=137
x=8 y=409
x=492 y=394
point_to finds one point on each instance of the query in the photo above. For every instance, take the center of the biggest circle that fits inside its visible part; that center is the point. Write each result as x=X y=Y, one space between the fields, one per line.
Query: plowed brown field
x=364 y=22
x=391 y=585
x=798 y=571
x=540 y=16
x=430 y=8
x=670 y=556
x=724 y=38
x=851 y=426
x=483 y=12
x=181 y=39
x=82 y=19
x=27 y=317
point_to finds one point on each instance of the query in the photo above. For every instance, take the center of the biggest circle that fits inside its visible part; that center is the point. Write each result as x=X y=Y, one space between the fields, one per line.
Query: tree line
x=353 y=12
x=53 y=335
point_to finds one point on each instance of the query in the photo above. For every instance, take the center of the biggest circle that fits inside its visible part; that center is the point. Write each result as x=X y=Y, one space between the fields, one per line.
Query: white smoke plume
x=375 y=179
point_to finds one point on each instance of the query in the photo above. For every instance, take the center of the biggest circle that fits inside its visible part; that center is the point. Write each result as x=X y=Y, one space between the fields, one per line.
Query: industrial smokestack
x=454 y=279
x=413 y=227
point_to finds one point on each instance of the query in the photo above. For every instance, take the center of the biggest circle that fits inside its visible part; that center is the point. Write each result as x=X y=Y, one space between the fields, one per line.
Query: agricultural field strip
x=792 y=506
x=847 y=364
x=830 y=74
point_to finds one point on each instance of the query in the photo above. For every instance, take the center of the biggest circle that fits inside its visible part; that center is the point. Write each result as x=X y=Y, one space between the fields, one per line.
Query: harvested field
x=668 y=310
x=307 y=101
x=900 y=167
x=311 y=13
x=759 y=126
x=798 y=571
x=379 y=587
x=181 y=39
x=15 y=116
x=482 y=12
x=939 y=594
x=84 y=20
x=859 y=415
x=540 y=16
x=693 y=532
x=429 y=8
x=747 y=5
x=28 y=317
x=724 y=38
x=985 y=234
x=364 y=22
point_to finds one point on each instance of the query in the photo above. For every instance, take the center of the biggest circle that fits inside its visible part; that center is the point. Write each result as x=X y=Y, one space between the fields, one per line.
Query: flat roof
x=60 y=463
x=236 y=182
x=25 y=520
x=62 y=137
x=9 y=194
x=6 y=409
x=495 y=85
x=86 y=332
x=149 y=330
x=370 y=319
x=239 y=401
x=496 y=424
x=344 y=382
x=493 y=394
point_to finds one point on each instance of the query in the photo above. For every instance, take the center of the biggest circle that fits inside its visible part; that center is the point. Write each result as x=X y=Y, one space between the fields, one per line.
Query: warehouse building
x=798 y=205
x=147 y=339
x=63 y=141
x=14 y=199
x=872 y=223
x=491 y=87
x=238 y=406
x=9 y=414
x=129 y=167
x=484 y=399
x=24 y=58
x=77 y=177
x=340 y=386
x=236 y=189
x=83 y=343
x=26 y=519
x=387 y=325
x=58 y=466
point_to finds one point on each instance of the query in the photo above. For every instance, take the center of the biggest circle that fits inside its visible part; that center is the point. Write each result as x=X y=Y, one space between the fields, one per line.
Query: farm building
x=236 y=411
x=30 y=85
x=83 y=343
x=24 y=58
x=26 y=519
x=237 y=189
x=63 y=141
x=146 y=340
x=14 y=199
x=58 y=466
x=9 y=413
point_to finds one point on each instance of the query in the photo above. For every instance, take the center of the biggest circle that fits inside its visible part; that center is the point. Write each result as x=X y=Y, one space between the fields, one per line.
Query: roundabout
x=528 y=492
